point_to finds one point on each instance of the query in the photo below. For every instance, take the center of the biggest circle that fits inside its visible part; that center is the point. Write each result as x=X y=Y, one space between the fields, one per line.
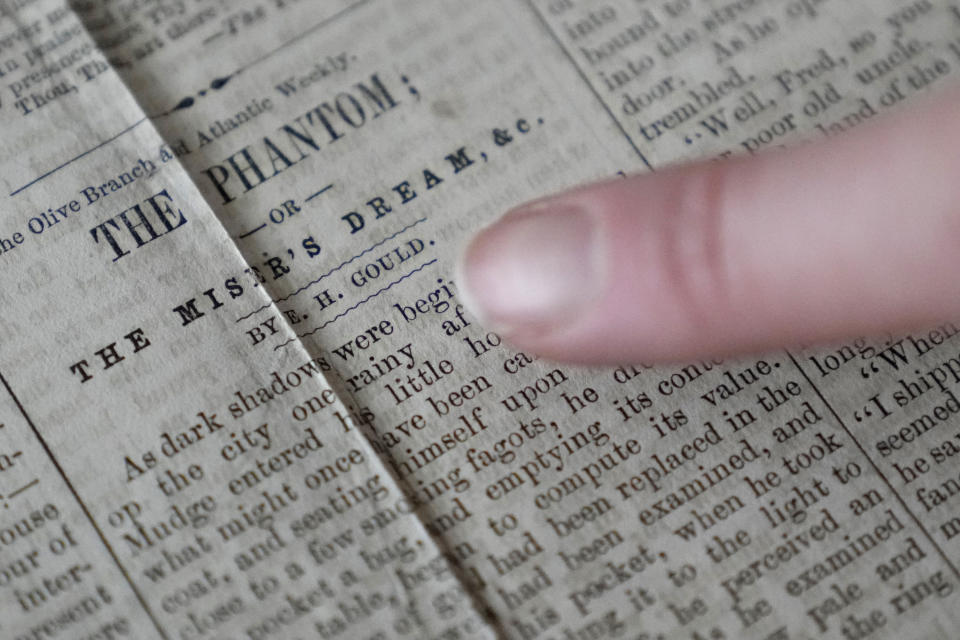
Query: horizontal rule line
x=253 y=231
x=75 y=158
x=319 y=193
x=32 y=483
x=343 y=13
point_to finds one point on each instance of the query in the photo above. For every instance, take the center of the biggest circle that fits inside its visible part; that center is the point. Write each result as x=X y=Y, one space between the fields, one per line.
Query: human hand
x=855 y=235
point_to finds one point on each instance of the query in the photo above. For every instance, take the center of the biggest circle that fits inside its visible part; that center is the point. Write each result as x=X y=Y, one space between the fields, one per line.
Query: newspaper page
x=243 y=398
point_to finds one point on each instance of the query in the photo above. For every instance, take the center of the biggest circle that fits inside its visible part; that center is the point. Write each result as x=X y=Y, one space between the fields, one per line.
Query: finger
x=855 y=235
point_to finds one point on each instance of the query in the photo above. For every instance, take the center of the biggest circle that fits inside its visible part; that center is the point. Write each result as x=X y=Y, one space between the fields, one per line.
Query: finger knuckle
x=693 y=247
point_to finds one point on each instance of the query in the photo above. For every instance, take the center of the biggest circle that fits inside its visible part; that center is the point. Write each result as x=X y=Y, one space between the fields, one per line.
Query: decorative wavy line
x=359 y=304
x=331 y=272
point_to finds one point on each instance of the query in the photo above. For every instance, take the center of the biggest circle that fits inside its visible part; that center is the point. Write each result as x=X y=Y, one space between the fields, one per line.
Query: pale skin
x=855 y=235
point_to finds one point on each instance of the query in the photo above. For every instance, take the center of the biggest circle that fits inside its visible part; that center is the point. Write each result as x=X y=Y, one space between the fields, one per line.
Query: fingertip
x=535 y=270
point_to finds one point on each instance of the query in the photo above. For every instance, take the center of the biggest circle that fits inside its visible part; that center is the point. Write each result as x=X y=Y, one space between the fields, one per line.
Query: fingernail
x=535 y=269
